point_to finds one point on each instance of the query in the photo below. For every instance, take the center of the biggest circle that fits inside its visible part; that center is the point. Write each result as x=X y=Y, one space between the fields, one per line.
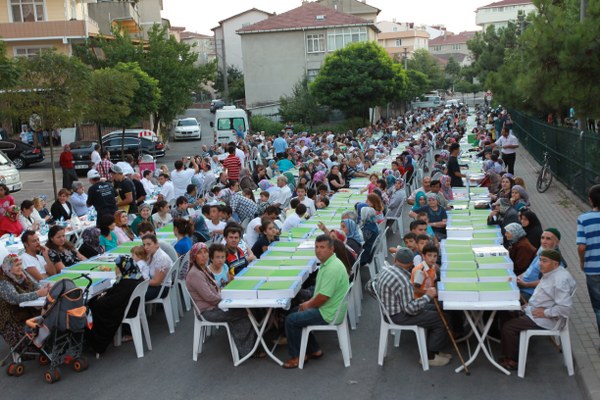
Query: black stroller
x=57 y=333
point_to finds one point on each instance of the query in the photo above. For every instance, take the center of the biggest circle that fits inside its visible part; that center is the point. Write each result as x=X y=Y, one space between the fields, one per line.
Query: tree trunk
x=52 y=163
x=100 y=136
x=123 y=145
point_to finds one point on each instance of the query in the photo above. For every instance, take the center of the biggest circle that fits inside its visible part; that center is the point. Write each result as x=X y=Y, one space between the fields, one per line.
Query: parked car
x=150 y=142
x=216 y=104
x=10 y=174
x=187 y=128
x=21 y=154
x=82 y=152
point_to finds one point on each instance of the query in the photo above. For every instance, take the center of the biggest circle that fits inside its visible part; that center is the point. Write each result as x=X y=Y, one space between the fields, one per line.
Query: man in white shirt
x=181 y=177
x=214 y=224
x=148 y=185
x=167 y=192
x=283 y=197
x=95 y=157
x=33 y=262
x=309 y=203
x=240 y=154
x=293 y=220
x=509 y=144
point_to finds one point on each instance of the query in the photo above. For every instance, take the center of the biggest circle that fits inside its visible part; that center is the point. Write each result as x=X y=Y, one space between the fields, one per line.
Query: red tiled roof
x=305 y=16
x=506 y=3
x=450 y=38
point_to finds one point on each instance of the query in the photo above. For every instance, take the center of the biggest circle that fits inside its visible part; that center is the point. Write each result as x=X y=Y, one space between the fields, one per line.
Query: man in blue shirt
x=280 y=146
x=588 y=247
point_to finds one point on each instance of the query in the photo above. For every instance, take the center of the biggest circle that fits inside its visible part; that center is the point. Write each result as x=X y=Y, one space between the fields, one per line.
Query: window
x=457 y=46
x=395 y=29
x=436 y=48
x=29 y=51
x=339 y=38
x=27 y=10
x=315 y=43
x=398 y=42
x=311 y=74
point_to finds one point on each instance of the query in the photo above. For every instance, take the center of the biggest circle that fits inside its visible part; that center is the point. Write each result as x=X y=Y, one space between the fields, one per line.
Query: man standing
x=68 y=167
x=182 y=177
x=95 y=157
x=330 y=290
x=125 y=191
x=396 y=292
x=233 y=164
x=588 y=247
x=453 y=167
x=548 y=308
x=279 y=146
x=101 y=195
x=104 y=166
x=509 y=144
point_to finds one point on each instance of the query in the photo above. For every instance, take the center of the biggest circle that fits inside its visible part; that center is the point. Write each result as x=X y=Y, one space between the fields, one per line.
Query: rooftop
x=450 y=38
x=308 y=15
x=503 y=3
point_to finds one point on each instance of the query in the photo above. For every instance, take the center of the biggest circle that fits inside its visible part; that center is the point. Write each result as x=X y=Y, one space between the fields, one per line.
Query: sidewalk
x=559 y=208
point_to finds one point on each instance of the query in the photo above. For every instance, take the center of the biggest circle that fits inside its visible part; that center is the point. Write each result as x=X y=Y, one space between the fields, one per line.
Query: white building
x=401 y=39
x=498 y=14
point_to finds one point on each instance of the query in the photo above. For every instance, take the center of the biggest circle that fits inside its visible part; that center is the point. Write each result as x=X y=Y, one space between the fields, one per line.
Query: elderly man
x=548 y=308
x=425 y=188
x=282 y=198
x=396 y=292
x=529 y=279
x=330 y=290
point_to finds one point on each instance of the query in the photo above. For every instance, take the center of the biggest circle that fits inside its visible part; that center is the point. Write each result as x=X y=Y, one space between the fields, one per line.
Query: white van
x=227 y=120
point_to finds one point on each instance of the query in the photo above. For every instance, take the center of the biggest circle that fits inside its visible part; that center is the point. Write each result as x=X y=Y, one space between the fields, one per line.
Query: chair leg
x=352 y=313
x=168 y=307
x=422 y=343
x=397 y=335
x=145 y=329
x=186 y=298
x=565 y=340
x=136 y=333
x=303 y=344
x=343 y=338
x=523 y=344
x=383 y=340
x=174 y=298
x=118 y=337
x=197 y=337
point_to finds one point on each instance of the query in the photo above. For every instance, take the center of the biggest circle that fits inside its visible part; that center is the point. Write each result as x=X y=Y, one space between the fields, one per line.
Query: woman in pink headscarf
x=446 y=187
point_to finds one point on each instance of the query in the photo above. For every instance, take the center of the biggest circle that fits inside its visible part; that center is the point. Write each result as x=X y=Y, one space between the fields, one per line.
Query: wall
x=492 y=16
x=233 y=42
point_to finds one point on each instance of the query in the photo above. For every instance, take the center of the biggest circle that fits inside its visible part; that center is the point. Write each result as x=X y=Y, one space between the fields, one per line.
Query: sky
x=202 y=15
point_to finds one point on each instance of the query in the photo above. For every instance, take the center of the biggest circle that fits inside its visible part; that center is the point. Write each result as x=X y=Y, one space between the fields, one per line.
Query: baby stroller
x=57 y=333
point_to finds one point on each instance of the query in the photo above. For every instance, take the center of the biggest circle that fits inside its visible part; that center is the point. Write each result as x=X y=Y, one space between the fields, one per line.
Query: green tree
x=9 y=73
x=417 y=84
x=452 y=71
x=359 y=76
x=425 y=63
x=54 y=87
x=302 y=106
x=235 y=81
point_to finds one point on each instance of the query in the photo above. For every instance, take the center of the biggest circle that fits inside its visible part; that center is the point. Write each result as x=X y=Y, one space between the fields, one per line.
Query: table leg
x=481 y=339
x=260 y=328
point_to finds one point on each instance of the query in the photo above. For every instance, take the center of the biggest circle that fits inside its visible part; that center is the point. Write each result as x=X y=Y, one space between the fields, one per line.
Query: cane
x=437 y=306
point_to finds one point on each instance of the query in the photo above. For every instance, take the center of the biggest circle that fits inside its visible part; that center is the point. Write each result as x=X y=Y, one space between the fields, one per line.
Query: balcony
x=74 y=29
x=122 y=15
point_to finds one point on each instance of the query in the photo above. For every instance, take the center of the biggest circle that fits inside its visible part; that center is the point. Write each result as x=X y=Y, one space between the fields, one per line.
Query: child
x=422 y=241
x=263 y=202
x=162 y=217
x=322 y=203
x=422 y=216
x=410 y=242
x=423 y=275
x=372 y=184
x=293 y=204
x=225 y=212
x=217 y=254
x=322 y=192
x=139 y=255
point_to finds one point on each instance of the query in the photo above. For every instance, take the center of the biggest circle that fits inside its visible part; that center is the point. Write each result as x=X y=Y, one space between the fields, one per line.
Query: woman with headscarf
x=16 y=287
x=353 y=236
x=436 y=214
x=520 y=250
x=145 y=215
x=532 y=226
x=206 y=295
x=291 y=181
x=246 y=181
x=446 y=187
x=369 y=230
x=503 y=214
x=273 y=169
x=420 y=201
x=109 y=309
x=10 y=223
x=91 y=242
x=320 y=178
x=519 y=197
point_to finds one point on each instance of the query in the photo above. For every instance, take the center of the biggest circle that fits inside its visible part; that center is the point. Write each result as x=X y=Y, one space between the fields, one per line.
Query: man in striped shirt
x=397 y=294
x=588 y=247
x=232 y=164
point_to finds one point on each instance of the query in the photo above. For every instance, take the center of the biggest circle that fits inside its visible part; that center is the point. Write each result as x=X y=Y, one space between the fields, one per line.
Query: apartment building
x=499 y=13
x=452 y=45
x=203 y=45
x=401 y=39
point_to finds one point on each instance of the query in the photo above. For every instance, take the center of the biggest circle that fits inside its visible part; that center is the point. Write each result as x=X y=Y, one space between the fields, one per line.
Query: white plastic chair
x=201 y=327
x=342 y=330
x=138 y=323
x=167 y=301
x=354 y=300
x=379 y=252
x=387 y=326
x=556 y=334
x=396 y=216
x=183 y=294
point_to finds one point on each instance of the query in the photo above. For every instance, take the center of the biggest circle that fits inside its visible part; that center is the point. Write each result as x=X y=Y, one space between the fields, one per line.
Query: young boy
x=295 y=219
x=422 y=216
x=410 y=242
x=263 y=202
x=423 y=275
x=225 y=212
x=217 y=254
x=422 y=241
x=214 y=224
x=293 y=204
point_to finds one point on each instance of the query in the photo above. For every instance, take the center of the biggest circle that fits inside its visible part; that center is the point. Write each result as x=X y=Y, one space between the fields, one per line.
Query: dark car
x=215 y=105
x=148 y=144
x=82 y=152
x=21 y=154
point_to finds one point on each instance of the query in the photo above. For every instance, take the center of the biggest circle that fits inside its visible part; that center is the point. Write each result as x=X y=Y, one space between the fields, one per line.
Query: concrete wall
x=233 y=41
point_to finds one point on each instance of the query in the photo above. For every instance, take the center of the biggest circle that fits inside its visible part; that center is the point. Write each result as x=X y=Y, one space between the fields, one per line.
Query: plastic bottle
x=11 y=239
x=62 y=221
x=290 y=236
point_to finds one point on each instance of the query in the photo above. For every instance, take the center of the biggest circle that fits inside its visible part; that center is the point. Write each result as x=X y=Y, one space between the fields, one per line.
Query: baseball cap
x=116 y=169
x=93 y=174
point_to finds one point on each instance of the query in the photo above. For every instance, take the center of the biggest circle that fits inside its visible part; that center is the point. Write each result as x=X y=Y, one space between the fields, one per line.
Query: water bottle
x=61 y=222
x=290 y=236
x=11 y=239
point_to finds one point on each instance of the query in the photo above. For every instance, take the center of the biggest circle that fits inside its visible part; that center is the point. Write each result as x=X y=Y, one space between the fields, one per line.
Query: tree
x=452 y=71
x=235 y=81
x=302 y=106
x=417 y=84
x=9 y=73
x=425 y=63
x=54 y=87
x=359 y=76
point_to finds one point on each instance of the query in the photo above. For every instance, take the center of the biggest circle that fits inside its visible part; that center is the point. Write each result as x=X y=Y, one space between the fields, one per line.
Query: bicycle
x=545 y=175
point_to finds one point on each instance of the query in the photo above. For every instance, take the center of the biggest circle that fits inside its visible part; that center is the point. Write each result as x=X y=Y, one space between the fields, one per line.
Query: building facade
x=401 y=39
x=353 y=7
x=452 y=45
x=281 y=50
x=498 y=14
x=203 y=45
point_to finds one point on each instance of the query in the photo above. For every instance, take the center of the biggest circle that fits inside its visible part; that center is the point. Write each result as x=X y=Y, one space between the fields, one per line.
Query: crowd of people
x=221 y=227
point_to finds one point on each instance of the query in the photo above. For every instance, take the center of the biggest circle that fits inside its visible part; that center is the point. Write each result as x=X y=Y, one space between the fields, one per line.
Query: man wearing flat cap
x=548 y=308
x=397 y=295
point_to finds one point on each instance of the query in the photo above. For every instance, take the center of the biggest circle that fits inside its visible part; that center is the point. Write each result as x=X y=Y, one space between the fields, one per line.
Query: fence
x=575 y=155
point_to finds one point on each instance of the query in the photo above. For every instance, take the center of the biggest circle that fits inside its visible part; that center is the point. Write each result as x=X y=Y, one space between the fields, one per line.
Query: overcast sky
x=202 y=15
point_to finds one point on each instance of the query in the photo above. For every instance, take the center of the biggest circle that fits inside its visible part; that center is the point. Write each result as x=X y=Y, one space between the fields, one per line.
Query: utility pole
x=582 y=10
x=224 y=70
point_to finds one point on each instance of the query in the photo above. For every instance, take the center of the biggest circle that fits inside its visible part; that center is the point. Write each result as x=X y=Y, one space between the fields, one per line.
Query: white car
x=187 y=128
x=9 y=175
